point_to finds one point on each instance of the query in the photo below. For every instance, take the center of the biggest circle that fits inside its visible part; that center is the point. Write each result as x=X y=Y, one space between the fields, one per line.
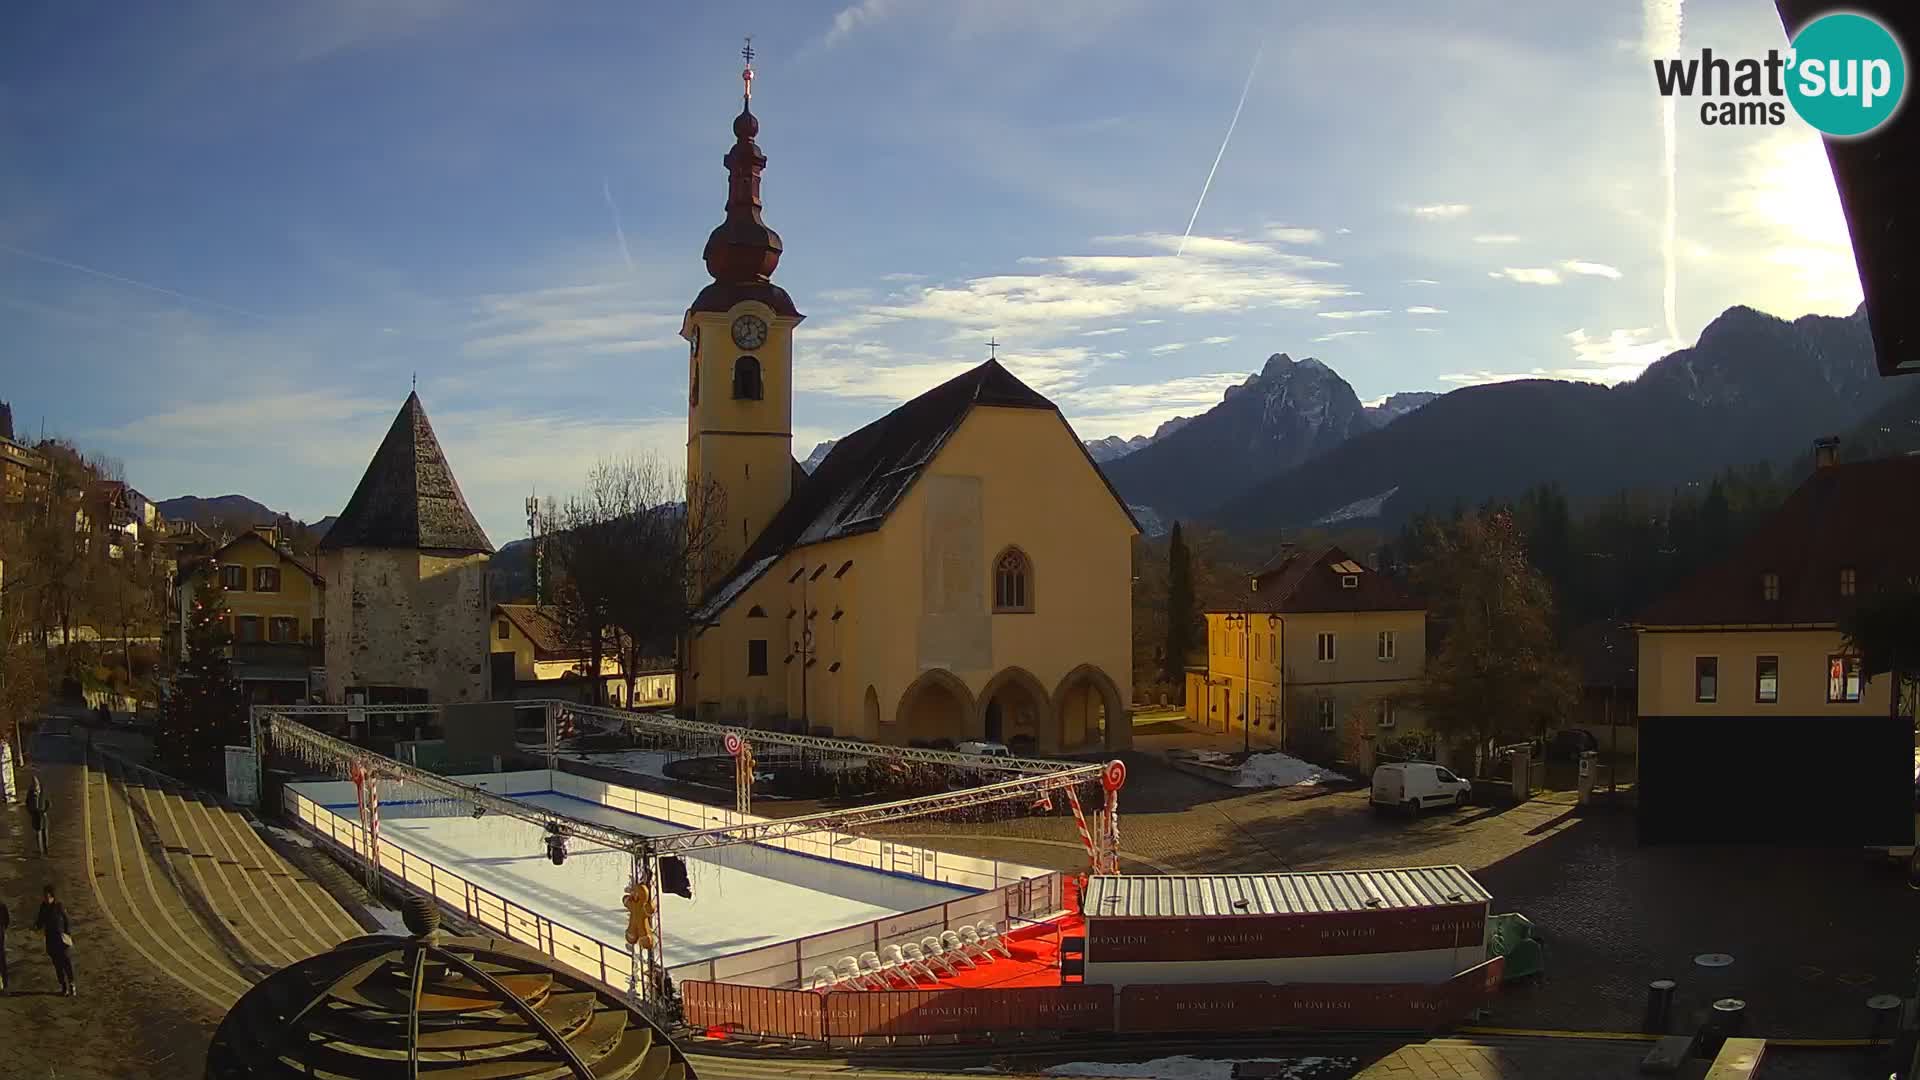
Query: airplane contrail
x=607 y=190
x=1204 y=188
x=1663 y=40
x=176 y=294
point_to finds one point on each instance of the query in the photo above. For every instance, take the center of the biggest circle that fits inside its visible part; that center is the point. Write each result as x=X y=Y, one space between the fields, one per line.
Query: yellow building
x=957 y=569
x=1323 y=656
x=1743 y=672
x=276 y=614
x=533 y=659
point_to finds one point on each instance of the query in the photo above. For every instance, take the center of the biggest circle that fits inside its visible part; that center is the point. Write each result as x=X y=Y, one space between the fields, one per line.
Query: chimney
x=1826 y=452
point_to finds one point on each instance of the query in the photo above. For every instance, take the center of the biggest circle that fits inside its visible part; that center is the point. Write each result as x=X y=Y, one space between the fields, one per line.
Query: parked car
x=984 y=749
x=1414 y=785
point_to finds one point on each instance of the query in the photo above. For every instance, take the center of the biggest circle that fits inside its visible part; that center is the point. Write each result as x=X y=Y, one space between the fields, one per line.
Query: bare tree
x=628 y=558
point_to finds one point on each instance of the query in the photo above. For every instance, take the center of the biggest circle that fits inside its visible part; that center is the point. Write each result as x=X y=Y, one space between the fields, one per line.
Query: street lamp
x=1245 y=618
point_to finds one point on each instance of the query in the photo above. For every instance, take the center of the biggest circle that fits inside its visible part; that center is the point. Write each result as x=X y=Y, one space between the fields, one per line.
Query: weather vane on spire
x=746 y=74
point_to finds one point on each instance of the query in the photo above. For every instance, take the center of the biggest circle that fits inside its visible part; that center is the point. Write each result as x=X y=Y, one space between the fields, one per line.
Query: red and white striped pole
x=1112 y=779
x=1086 y=836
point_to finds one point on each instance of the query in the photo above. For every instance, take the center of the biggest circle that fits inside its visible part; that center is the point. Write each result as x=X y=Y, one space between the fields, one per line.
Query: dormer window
x=1769 y=586
x=1849 y=581
x=746 y=379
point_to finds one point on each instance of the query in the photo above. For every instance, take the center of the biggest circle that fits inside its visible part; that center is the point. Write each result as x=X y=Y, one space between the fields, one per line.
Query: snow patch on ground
x=1359 y=509
x=1271 y=769
x=1183 y=1067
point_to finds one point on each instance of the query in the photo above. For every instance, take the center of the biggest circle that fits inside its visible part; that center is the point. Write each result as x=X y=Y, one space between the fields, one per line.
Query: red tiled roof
x=1860 y=516
x=1312 y=581
x=541 y=624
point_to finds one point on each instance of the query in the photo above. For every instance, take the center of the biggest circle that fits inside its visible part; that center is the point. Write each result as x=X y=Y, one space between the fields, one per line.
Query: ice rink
x=744 y=897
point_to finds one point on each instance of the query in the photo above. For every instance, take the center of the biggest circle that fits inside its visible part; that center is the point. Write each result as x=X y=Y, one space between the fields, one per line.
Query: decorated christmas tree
x=205 y=712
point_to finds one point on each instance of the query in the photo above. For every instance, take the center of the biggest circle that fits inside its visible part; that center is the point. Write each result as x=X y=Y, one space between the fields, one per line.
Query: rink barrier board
x=855 y=1016
x=781 y=964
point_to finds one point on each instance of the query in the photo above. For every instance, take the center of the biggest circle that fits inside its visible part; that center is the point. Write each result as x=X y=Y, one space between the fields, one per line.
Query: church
x=956 y=570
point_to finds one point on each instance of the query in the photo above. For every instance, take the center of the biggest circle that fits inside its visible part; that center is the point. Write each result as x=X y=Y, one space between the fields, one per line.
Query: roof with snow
x=866 y=474
x=1323 y=580
x=1852 y=517
x=408 y=498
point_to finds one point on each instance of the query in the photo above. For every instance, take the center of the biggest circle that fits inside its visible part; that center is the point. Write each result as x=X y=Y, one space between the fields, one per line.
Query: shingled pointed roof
x=867 y=473
x=408 y=498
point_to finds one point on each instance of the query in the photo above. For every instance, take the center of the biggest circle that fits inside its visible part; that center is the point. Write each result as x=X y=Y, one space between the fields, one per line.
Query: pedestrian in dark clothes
x=37 y=812
x=52 y=921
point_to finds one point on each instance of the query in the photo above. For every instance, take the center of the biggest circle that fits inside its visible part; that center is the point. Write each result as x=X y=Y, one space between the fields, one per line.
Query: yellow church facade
x=959 y=569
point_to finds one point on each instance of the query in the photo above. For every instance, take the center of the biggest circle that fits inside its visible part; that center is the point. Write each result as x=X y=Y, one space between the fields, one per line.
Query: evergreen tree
x=1182 y=613
x=1885 y=630
x=206 y=712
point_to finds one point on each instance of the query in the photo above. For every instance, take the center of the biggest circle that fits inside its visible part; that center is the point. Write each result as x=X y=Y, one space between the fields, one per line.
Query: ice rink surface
x=744 y=896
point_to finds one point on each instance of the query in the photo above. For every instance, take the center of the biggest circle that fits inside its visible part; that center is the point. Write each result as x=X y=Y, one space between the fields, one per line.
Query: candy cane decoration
x=1086 y=836
x=1112 y=778
x=373 y=833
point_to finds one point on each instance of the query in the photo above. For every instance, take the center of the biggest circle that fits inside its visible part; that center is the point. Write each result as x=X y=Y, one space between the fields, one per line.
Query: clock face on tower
x=749 y=331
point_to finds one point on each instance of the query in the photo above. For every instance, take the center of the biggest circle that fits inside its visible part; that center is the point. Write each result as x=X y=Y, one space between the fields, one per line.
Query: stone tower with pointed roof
x=406 y=567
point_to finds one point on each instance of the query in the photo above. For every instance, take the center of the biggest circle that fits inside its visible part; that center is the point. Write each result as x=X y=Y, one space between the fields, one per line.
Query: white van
x=984 y=749
x=1417 y=784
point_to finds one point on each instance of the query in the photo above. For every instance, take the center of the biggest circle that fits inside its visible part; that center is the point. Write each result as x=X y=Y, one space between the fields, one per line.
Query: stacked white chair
x=875 y=971
x=850 y=972
x=917 y=961
x=955 y=949
x=970 y=941
x=934 y=954
x=991 y=940
x=823 y=977
x=908 y=971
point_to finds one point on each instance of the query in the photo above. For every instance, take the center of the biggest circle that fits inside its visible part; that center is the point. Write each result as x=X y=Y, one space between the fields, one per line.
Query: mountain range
x=1293 y=447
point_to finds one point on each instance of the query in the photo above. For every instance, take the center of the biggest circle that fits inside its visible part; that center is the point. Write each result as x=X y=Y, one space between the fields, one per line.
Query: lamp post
x=533 y=536
x=1245 y=618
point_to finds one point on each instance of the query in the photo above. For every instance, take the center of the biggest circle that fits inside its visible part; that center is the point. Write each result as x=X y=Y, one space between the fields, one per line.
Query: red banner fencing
x=860 y=1014
x=754 y=1010
x=1261 y=937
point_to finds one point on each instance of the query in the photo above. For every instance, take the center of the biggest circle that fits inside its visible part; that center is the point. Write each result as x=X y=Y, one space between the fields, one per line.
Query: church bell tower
x=739 y=333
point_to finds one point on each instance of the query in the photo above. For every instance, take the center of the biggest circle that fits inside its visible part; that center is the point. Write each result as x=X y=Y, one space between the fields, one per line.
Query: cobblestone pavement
x=1588 y=1059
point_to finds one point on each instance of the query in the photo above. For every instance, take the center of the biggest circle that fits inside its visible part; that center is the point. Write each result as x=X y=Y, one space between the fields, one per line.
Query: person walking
x=52 y=921
x=37 y=812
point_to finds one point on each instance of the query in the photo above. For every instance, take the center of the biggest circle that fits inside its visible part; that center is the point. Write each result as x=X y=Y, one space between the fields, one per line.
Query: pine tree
x=1181 y=613
x=206 y=712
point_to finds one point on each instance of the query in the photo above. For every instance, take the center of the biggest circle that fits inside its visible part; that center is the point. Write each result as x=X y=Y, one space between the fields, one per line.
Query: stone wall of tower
x=399 y=618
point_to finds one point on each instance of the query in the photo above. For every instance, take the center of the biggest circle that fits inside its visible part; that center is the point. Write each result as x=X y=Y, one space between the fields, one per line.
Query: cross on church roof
x=993 y=349
x=746 y=74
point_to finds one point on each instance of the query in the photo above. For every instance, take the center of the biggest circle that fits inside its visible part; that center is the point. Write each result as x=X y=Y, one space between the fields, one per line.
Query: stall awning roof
x=1228 y=895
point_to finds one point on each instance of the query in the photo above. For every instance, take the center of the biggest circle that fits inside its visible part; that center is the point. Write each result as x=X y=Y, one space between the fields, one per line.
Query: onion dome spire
x=743 y=249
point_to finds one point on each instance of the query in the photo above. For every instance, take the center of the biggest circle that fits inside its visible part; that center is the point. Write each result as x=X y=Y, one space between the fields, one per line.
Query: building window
x=1385 y=714
x=1273 y=714
x=1706 y=678
x=1273 y=647
x=1386 y=644
x=1012 y=581
x=1256 y=712
x=1324 y=646
x=1843 y=679
x=246 y=628
x=1769 y=586
x=266 y=579
x=1326 y=714
x=1256 y=646
x=757 y=656
x=233 y=578
x=1766 y=679
x=1849 y=581
x=283 y=629
x=502 y=631
x=746 y=379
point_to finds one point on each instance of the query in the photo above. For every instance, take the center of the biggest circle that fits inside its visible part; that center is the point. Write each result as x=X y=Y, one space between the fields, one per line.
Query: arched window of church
x=746 y=379
x=1013 y=581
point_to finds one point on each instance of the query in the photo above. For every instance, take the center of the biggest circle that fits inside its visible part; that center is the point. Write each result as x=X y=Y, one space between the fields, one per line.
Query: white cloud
x=1216 y=340
x=1616 y=358
x=1218 y=247
x=1170 y=347
x=1496 y=238
x=599 y=318
x=1441 y=211
x=1591 y=269
x=1149 y=322
x=1484 y=378
x=1104 y=331
x=1422 y=309
x=1338 y=334
x=1421 y=281
x=1138 y=408
x=1343 y=315
x=1785 y=193
x=1426 y=329
x=1289 y=234
x=852 y=18
x=1535 y=275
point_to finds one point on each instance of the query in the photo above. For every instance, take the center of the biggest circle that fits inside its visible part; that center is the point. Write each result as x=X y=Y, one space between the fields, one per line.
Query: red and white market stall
x=1422 y=925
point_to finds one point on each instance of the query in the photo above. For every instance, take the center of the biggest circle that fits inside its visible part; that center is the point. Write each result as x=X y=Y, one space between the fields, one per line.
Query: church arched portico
x=1014 y=706
x=937 y=705
x=1090 y=712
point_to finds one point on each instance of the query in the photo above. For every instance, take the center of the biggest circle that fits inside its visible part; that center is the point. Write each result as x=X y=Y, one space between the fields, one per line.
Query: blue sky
x=231 y=234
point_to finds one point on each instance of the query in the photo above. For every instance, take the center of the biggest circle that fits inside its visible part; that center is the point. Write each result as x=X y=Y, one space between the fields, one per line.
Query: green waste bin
x=1512 y=936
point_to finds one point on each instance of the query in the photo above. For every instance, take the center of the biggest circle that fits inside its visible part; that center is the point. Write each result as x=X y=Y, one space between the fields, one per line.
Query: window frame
x=1022 y=579
x=756 y=658
x=502 y=631
x=287 y=623
x=234 y=577
x=1849 y=581
x=264 y=574
x=1760 y=676
x=258 y=625
x=1386 y=647
x=1326 y=646
x=1384 y=717
x=748 y=374
x=1700 y=696
x=1328 y=714
x=1770 y=586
